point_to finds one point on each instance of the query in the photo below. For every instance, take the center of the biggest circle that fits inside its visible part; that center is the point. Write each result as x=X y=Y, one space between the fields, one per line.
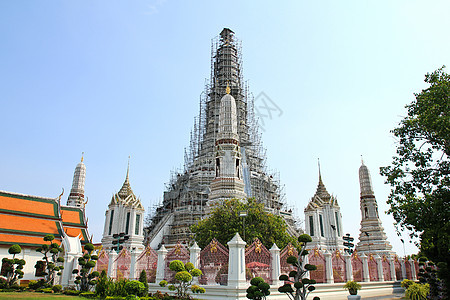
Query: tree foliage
x=144 y=280
x=419 y=173
x=13 y=267
x=224 y=221
x=51 y=262
x=183 y=279
x=296 y=286
x=258 y=289
x=86 y=279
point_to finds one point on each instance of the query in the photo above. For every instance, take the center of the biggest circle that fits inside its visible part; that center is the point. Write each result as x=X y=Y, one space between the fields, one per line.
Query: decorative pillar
x=112 y=264
x=236 y=262
x=195 y=258
x=304 y=262
x=366 y=277
x=161 y=264
x=195 y=255
x=275 y=264
x=413 y=269
x=392 y=268
x=402 y=263
x=348 y=266
x=328 y=267
x=133 y=258
x=379 y=268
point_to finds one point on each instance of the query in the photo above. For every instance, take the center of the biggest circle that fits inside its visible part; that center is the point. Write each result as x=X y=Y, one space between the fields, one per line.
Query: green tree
x=301 y=286
x=183 y=279
x=224 y=221
x=13 y=269
x=51 y=262
x=419 y=173
x=143 y=279
x=85 y=278
x=258 y=289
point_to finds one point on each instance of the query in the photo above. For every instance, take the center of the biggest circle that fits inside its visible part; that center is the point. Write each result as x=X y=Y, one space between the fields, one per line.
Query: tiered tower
x=187 y=193
x=323 y=220
x=76 y=196
x=124 y=215
x=372 y=238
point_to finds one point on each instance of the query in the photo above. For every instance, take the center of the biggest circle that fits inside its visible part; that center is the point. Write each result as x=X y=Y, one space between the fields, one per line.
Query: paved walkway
x=394 y=296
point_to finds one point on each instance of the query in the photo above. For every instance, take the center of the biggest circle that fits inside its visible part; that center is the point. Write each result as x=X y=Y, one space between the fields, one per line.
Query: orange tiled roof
x=27 y=219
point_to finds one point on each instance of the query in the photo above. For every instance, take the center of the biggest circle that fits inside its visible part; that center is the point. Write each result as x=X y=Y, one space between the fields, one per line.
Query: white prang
x=76 y=196
x=372 y=238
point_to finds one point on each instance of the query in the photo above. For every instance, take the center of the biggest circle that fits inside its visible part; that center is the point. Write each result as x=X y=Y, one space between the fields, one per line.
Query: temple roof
x=25 y=220
x=321 y=197
x=125 y=196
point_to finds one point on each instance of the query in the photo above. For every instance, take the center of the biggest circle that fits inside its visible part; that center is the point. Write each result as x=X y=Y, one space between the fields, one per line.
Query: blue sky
x=120 y=78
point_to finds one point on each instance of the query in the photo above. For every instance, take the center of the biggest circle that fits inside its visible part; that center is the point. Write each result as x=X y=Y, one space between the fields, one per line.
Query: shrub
x=57 y=288
x=258 y=289
x=143 y=279
x=87 y=294
x=134 y=287
x=47 y=290
x=417 y=291
x=71 y=292
x=352 y=287
x=34 y=285
x=406 y=283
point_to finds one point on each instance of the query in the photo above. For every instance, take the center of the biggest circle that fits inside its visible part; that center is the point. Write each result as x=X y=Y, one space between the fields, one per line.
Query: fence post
x=133 y=257
x=112 y=264
x=161 y=264
x=366 y=277
x=236 y=262
x=379 y=268
x=348 y=266
x=275 y=264
x=392 y=268
x=195 y=258
x=328 y=267
x=402 y=263
x=195 y=255
x=413 y=269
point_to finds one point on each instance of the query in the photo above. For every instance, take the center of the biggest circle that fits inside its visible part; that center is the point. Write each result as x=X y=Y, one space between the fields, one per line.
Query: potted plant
x=352 y=287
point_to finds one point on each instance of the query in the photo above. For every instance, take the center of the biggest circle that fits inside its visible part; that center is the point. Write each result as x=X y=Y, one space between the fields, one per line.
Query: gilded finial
x=228 y=90
x=362 y=160
x=82 y=156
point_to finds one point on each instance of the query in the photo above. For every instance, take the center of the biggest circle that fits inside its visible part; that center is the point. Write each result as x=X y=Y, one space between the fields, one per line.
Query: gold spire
x=228 y=90
x=320 y=175
x=82 y=156
x=128 y=168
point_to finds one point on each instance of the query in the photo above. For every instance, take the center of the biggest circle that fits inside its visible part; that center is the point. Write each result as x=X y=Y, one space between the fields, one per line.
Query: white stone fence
x=237 y=264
